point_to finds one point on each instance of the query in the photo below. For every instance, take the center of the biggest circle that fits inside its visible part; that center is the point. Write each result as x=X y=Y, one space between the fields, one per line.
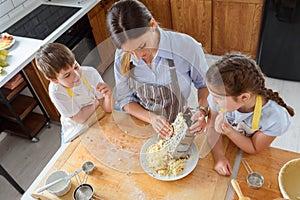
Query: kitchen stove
x=42 y=21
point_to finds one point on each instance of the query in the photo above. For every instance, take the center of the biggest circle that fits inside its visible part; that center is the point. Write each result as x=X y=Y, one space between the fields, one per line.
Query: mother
x=154 y=68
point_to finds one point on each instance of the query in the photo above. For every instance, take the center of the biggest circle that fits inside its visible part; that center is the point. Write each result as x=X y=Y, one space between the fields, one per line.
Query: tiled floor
x=288 y=90
x=24 y=160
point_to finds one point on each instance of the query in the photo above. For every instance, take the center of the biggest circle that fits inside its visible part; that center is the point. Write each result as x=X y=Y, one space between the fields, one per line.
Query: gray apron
x=162 y=100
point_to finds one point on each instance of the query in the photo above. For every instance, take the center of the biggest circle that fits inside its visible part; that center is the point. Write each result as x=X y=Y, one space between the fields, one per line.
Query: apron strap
x=85 y=82
x=143 y=90
x=174 y=81
x=70 y=92
x=257 y=112
x=171 y=63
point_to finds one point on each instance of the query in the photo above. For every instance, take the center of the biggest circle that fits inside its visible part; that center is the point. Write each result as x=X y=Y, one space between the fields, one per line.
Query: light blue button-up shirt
x=187 y=55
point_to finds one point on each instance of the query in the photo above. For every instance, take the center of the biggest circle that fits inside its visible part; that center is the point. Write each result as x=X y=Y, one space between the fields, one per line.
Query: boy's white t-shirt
x=274 y=120
x=68 y=106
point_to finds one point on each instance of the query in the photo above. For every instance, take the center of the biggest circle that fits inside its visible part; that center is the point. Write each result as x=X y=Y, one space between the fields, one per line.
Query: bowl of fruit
x=6 y=41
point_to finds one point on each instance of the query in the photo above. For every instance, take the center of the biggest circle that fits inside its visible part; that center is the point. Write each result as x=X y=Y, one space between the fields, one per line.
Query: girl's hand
x=104 y=89
x=161 y=125
x=222 y=126
x=227 y=128
x=222 y=166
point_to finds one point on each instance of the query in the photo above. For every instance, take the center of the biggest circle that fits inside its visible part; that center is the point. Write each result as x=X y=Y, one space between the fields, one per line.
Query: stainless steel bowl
x=255 y=180
x=83 y=192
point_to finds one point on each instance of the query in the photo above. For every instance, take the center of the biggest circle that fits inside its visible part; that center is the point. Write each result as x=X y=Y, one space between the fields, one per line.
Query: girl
x=242 y=108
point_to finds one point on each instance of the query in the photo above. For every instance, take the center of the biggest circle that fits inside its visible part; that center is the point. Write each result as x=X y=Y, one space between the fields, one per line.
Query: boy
x=75 y=91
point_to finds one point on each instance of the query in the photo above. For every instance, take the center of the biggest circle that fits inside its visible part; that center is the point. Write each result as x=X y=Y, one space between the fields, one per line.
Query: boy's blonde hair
x=52 y=58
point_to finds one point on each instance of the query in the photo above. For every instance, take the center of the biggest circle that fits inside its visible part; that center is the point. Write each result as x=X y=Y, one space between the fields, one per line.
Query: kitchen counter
x=20 y=54
x=23 y=51
x=202 y=183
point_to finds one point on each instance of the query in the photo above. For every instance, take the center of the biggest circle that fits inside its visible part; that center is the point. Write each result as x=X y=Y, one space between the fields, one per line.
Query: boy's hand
x=104 y=89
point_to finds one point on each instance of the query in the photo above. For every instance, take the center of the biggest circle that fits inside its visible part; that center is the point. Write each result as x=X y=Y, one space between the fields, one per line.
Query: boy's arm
x=107 y=102
x=85 y=112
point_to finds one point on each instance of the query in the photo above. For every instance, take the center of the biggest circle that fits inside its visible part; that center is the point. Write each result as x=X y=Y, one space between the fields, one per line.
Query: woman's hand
x=104 y=89
x=161 y=125
x=199 y=123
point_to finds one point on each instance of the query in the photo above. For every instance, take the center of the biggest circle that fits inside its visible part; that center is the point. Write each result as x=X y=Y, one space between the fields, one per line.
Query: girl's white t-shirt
x=274 y=120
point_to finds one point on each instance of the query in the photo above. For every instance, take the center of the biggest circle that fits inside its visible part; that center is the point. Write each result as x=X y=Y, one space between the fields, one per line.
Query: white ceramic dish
x=189 y=166
x=7 y=47
x=60 y=188
x=289 y=179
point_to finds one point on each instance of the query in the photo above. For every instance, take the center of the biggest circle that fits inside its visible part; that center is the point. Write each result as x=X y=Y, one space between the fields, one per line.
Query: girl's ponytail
x=270 y=94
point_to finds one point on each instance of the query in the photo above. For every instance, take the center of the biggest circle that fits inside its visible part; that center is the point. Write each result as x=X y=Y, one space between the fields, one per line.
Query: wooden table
x=202 y=183
x=108 y=183
x=268 y=163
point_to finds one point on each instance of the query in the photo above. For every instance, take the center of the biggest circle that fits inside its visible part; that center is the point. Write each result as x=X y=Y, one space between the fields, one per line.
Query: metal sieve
x=83 y=192
x=87 y=167
x=254 y=179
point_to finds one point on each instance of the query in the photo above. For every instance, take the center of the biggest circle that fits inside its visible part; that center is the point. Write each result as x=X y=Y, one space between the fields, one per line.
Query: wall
x=9 y=9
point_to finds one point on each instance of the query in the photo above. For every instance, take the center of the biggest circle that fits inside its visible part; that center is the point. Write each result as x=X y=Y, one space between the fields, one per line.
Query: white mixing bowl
x=60 y=188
